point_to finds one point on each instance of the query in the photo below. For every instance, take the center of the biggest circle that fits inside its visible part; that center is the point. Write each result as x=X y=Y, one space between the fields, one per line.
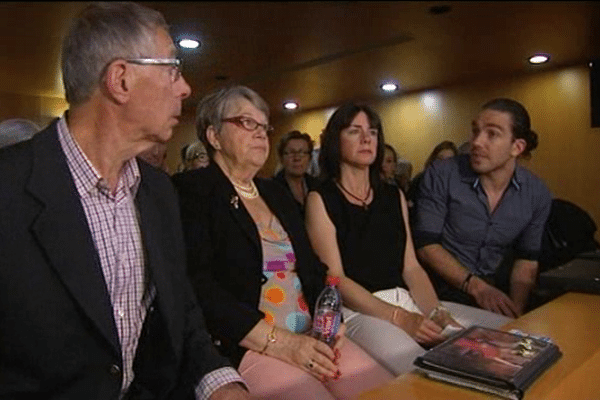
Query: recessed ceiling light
x=290 y=105
x=539 y=58
x=389 y=87
x=189 y=43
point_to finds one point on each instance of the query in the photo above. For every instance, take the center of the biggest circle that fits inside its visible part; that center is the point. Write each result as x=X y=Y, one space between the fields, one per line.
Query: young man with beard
x=480 y=216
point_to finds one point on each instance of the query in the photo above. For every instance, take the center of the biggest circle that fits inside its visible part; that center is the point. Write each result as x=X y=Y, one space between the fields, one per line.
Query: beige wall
x=38 y=109
x=559 y=105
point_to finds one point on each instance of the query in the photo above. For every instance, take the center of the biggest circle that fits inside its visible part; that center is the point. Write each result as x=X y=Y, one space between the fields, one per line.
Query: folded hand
x=422 y=329
x=491 y=298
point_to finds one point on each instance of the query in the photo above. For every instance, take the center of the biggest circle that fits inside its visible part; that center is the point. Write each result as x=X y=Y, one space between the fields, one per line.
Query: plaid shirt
x=113 y=221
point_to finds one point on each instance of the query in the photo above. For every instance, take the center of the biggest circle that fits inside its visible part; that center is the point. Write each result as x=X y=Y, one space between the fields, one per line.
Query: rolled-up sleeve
x=431 y=205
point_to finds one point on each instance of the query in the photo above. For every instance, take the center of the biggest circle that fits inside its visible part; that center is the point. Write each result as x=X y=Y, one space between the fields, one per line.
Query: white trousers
x=394 y=348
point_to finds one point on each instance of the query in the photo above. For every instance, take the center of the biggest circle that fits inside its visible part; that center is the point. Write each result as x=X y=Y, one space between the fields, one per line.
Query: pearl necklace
x=247 y=192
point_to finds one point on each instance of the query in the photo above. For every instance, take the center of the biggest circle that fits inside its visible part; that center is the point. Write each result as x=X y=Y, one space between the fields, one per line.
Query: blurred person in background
x=395 y=171
x=295 y=150
x=442 y=151
x=16 y=130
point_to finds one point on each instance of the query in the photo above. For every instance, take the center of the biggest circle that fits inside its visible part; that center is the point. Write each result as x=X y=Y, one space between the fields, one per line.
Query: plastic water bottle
x=328 y=312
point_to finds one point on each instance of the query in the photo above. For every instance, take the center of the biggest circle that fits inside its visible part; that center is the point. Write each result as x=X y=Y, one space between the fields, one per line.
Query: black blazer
x=225 y=260
x=58 y=339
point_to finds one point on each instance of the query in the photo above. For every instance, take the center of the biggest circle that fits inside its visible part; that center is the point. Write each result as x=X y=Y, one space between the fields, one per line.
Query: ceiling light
x=189 y=43
x=429 y=101
x=539 y=59
x=389 y=87
x=290 y=105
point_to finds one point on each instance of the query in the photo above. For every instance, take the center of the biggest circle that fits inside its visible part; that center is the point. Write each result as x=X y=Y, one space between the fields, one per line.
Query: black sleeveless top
x=371 y=241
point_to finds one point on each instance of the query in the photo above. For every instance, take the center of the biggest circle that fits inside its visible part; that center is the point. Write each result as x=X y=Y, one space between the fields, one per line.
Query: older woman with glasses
x=252 y=266
x=295 y=150
x=196 y=156
x=358 y=226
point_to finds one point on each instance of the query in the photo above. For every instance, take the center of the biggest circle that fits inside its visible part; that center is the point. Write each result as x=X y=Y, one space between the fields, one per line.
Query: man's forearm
x=444 y=263
x=522 y=281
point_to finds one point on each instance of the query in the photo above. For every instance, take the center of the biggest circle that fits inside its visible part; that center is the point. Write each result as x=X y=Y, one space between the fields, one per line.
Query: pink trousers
x=273 y=379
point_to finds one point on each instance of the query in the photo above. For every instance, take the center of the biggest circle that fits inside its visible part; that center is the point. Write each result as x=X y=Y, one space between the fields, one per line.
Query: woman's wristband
x=465 y=283
x=271 y=338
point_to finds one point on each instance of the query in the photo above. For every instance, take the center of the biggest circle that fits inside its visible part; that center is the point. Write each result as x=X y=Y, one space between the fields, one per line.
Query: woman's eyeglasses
x=249 y=124
x=290 y=153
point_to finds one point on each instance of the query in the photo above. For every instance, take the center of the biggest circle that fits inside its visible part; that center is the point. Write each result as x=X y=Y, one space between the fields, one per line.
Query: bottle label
x=326 y=325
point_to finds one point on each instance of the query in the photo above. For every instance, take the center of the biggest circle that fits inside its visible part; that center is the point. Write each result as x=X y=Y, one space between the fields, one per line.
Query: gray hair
x=102 y=33
x=16 y=130
x=213 y=107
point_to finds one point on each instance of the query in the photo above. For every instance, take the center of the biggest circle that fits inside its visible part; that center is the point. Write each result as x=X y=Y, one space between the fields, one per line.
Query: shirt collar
x=469 y=176
x=86 y=176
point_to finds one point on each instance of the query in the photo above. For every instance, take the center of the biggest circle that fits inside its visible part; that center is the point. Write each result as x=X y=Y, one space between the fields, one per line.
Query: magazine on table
x=489 y=360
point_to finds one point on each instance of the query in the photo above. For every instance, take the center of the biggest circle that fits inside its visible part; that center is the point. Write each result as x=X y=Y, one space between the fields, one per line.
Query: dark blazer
x=311 y=184
x=58 y=339
x=225 y=260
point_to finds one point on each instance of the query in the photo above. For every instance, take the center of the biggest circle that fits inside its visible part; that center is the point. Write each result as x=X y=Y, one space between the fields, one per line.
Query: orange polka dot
x=269 y=318
x=275 y=295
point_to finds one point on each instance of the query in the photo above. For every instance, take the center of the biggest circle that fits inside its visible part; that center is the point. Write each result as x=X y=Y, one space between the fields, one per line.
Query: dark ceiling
x=322 y=53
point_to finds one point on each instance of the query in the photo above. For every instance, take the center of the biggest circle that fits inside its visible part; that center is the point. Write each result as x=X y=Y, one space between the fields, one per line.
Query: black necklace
x=363 y=201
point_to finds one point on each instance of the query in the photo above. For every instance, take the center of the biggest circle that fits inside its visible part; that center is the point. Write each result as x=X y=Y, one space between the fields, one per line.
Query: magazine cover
x=491 y=360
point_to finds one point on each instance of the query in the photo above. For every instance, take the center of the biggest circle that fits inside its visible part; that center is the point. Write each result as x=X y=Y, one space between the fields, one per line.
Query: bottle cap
x=332 y=280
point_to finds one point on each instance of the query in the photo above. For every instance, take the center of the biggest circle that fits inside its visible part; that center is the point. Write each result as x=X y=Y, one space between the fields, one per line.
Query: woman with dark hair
x=358 y=226
x=393 y=171
x=442 y=151
x=295 y=150
x=389 y=164
x=445 y=149
x=252 y=266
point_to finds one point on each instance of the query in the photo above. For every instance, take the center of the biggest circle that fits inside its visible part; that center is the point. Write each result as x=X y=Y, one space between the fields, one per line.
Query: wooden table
x=571 y=320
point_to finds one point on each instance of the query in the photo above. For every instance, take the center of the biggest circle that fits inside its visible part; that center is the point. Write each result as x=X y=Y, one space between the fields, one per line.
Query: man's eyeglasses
x=249 y=124
x=174 y=63
x=290 y=153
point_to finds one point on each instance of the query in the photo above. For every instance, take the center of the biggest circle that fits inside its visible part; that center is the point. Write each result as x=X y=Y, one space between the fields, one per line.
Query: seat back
x=569 y=231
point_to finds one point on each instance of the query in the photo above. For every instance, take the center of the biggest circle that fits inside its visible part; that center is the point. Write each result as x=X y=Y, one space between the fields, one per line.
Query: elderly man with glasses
x=94 y=298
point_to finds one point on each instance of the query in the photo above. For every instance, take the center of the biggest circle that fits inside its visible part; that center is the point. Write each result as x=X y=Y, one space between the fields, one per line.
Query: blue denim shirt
x=452 y=210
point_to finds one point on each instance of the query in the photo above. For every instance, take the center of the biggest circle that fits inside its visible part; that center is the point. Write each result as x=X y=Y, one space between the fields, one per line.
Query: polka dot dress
x=281 y=297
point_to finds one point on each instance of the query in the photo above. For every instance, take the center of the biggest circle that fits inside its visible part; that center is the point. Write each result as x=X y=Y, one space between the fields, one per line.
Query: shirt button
x=114 y=370
x=121 y=314
x=217 y=342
